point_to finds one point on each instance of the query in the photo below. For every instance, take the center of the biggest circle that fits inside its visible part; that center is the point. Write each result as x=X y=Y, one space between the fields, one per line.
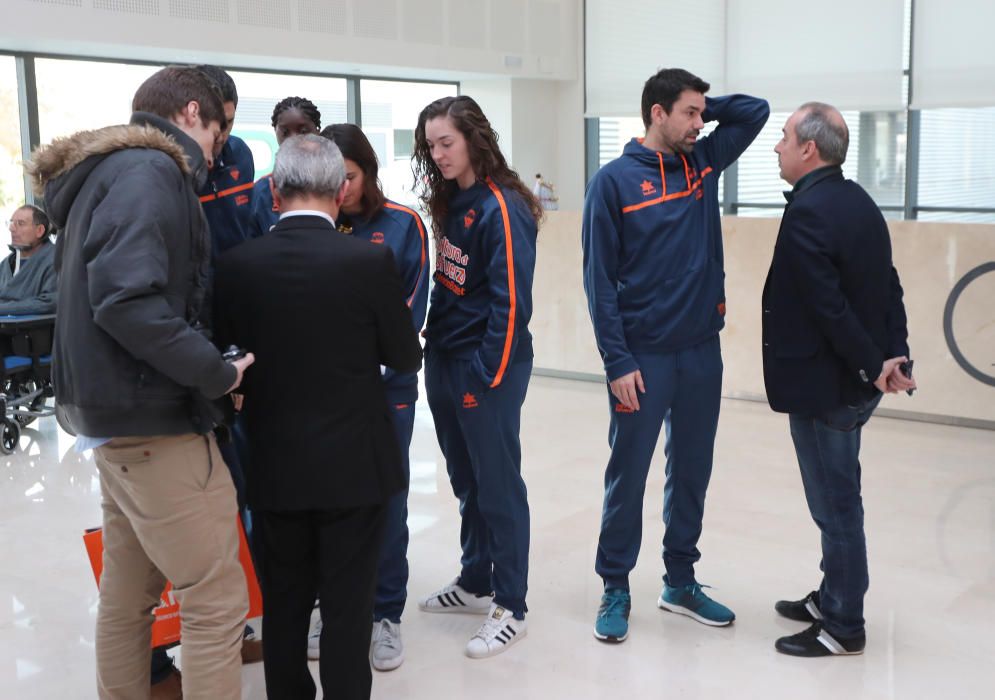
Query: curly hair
x=303 y=104
x=486 y=159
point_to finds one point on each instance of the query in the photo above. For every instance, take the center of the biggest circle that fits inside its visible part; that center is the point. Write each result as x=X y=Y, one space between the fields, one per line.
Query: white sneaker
x=499 y=632
x=386 y=648
x=453 y=598
x=314 y=641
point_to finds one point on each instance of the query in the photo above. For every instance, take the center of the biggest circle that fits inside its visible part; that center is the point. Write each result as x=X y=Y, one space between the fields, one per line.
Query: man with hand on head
x=653 y=273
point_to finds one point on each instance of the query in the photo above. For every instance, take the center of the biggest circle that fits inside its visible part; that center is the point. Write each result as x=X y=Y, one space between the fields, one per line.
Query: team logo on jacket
x=450 y=266
x=469 y=218
x=469 y=400
x=377 y=237
x=722 y=309
x=241 y=200
x=234 y=173
x=648 y=188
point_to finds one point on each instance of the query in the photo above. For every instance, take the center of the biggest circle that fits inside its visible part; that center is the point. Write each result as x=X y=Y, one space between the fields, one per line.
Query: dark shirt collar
x=811 y=178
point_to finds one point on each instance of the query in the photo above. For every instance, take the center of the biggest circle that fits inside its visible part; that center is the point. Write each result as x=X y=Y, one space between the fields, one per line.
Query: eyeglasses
x=20 y=222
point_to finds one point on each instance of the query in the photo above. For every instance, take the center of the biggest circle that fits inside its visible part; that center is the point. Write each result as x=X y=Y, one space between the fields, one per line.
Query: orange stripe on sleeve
x=421 y=232
x=229 y=191
x=509 y=254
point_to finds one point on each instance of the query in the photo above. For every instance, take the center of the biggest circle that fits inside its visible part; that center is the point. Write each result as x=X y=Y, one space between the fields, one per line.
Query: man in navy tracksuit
x=653 y=273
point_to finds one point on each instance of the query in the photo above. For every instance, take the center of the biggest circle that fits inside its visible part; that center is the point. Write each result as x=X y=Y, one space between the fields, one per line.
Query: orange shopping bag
x=166 y=627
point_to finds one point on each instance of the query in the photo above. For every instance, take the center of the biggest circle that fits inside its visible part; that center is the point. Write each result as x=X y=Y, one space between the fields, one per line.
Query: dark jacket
x=484 y=267
x=130 y=261
x=321 y=312
x=33 y=289
x=832 y=303
x=652 y=237
x=400 y=229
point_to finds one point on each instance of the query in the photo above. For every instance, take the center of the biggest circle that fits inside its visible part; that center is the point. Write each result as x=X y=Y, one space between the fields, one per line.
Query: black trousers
x=331 y=554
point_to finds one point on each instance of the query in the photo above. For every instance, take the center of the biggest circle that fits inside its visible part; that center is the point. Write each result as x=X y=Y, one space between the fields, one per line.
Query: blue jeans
x=828 y=449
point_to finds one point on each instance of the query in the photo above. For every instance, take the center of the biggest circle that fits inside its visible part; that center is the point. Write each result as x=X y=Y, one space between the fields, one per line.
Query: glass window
x=67 y=102
x=876 y=159
x=957 y=163
x=11 y=175
x=390 y=112
x=259 y=93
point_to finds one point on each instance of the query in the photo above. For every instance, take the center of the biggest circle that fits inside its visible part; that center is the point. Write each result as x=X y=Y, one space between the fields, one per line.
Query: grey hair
x=831 y=137
x=308 y=165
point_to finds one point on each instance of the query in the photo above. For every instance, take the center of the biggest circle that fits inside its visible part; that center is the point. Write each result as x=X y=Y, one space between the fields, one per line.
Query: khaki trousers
x=169 y=513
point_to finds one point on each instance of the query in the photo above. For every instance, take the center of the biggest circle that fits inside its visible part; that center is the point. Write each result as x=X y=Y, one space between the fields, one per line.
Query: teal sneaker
x=690 y=600
x=612 y=625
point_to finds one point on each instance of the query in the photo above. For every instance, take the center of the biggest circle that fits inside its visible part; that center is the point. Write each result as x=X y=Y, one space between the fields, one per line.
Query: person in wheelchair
x=27 y=275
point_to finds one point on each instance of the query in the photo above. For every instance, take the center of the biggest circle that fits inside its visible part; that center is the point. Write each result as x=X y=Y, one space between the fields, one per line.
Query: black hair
x=305 y=105
x=222 y=80
x=666 y=87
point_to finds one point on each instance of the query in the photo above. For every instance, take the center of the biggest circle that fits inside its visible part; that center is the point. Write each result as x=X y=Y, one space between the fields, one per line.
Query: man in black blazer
x=834 y=339
x=321 y=312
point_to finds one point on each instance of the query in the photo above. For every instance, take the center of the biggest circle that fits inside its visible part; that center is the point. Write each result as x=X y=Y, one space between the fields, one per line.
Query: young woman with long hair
x=478 y=357
x=367 y=214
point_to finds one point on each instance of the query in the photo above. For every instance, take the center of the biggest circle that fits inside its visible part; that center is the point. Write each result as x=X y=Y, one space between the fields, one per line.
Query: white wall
x=441 y=39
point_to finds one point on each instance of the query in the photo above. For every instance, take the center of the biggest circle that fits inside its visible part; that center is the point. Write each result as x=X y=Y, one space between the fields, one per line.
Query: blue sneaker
x=612 y=624
x=690 y=600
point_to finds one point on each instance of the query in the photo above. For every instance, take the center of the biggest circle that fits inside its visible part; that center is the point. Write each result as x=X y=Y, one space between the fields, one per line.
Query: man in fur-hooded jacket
x=130 y=372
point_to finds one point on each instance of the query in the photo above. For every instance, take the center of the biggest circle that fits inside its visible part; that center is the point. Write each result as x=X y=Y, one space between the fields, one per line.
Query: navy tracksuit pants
x=392 y=576
x=683 y=391
x=478 y=432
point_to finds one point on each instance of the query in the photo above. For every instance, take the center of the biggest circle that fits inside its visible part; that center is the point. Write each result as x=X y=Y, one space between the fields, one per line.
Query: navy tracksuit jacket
x=478 y=363
x=654 y=278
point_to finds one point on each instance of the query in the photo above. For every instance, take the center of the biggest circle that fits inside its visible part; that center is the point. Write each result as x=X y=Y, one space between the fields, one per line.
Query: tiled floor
x=929 y=494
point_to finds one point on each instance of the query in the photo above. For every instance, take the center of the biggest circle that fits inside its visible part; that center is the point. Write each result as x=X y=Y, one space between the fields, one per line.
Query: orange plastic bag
x=166 y=627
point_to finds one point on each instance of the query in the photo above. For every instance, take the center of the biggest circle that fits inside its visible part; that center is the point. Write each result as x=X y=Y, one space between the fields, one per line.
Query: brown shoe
x=252 y=651
x=170 y=688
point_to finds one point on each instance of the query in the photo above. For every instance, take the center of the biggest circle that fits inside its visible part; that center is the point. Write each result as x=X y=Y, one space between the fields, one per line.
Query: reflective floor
x=929 y=496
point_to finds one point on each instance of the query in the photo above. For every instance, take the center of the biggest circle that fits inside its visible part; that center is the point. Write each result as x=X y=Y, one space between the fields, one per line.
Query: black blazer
x=321 y=311
x=832 y=303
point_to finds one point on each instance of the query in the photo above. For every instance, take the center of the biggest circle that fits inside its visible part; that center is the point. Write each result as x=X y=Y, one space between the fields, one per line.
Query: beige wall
x=930 y=258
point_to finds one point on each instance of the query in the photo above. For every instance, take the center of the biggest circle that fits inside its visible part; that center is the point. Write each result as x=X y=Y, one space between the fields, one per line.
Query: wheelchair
x=26 y=377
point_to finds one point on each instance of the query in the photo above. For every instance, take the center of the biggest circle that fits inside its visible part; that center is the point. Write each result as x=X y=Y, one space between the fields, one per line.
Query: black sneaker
x=816 y=641
x=804 y=610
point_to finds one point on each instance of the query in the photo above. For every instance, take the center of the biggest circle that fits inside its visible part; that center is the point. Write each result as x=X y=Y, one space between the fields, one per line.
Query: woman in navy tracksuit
x=292 y=116
x=478 y=357
x=367 y=214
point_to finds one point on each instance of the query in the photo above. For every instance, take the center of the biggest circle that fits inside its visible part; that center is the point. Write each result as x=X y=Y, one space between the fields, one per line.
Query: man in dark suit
x=321 y=312
x=834 y=340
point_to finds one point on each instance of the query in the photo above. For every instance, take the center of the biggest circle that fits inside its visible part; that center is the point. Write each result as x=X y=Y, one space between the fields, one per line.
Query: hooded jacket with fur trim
x=127 y=360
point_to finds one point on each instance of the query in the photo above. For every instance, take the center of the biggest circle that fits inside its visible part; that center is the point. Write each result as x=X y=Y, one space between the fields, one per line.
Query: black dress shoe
x=804 y=610
x=816 y=641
